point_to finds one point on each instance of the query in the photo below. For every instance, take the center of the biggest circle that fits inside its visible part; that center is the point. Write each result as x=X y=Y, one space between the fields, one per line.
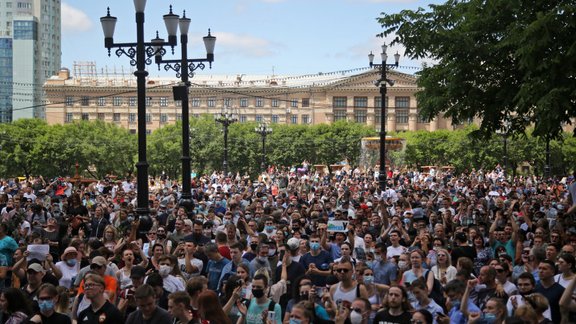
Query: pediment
x=367 y=79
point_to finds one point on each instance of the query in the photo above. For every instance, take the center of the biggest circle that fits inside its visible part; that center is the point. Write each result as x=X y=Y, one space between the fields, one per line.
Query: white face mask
x=403 y=265
x=164 y=270
x=356 y=317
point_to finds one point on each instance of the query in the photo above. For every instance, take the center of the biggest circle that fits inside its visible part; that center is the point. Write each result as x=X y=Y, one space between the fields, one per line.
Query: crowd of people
x=293 y=246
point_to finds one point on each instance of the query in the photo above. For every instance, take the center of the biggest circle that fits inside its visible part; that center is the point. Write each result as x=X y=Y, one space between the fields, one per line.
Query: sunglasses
x=357 y=310
x=343 y=270
x=499 y=270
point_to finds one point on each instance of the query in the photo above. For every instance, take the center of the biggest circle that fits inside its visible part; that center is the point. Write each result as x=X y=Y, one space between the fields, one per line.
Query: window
x=85 y=101
x=243 y=118
x=117 y=101
x=258 y=118
x=377 y=114
x=132 y=101
x=132 y=131
x=378 y=102
x=243 y=102
x=259 y=102
x=360 y=102
x=360 y=116
x=339 y=102
x=305 y=119
x=402 y=102
x=305 y=102
x=275 y=119
x=163 y=118
x=294 y=119
x=178 y=117
x=195 y=102
x=402 y=116
x=132 y=118
x=294 y=103
x=212 y=102
x=116 y=117
x=163 y=102
x=85 y=116
x=69 y=117
x=339 y=114
x=228 y=102
x=101 y=116
x=177 y=103
x=148 y=118
x=148 y=101
x=101 y=101
x=274 y=103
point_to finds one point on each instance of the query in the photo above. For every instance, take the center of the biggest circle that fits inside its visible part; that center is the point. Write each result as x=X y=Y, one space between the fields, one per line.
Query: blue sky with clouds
x=291 y=37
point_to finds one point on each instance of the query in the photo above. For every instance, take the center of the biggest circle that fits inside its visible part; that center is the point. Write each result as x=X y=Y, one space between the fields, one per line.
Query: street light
x=547 y=166
x=184 y=68
x=382 y=82
x=226 y=118
x=139 y=54
x=263 y=129
x=504 y=132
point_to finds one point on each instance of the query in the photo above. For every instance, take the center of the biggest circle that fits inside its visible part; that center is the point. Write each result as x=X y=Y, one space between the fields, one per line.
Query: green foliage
x=495 y=60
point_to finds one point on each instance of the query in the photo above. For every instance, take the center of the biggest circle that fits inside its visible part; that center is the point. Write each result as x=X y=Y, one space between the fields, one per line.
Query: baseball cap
x=36 y=267
x=293 y=243
x=99 y=261
x=137 y=272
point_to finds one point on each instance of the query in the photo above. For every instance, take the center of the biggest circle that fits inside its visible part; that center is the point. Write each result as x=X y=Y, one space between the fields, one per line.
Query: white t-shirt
x=67 y=273
x=195 y=262
x=173 y=284
x=394 y=251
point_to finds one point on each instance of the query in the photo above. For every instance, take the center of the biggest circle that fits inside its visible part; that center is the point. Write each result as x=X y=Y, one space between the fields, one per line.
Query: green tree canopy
x=495 y=60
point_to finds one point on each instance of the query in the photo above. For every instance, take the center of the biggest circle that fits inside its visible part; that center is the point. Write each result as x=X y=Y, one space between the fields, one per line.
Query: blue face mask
x=295 y=321
x=315 y=246
x=71 y=262
x=368 y=280
x=269 y=228
x=489 y=318
x=46 y=305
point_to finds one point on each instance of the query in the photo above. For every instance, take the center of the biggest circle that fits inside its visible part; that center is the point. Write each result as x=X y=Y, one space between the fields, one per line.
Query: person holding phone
x=260 y=309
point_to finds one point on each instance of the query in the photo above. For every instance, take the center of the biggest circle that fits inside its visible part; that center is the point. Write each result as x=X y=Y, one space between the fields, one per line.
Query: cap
x=293 y=243
x=68 y=250
x=99 y=260
x=36 y=267
x=137 y=272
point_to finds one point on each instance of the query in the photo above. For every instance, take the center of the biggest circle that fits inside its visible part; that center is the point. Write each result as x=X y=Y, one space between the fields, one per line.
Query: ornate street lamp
x=139 y=54
x=226 y=118
x=184 y=68
x=263 y=129
x=382 y=82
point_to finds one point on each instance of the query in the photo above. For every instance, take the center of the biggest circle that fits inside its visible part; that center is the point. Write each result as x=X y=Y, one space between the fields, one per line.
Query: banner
x=337 y=226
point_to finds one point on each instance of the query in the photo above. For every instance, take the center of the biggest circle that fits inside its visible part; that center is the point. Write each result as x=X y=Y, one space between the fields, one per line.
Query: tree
x=496 y=60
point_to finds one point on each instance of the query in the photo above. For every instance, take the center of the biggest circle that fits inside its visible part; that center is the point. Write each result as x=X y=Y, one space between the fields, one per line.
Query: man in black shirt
x=148 y=311
x=101 y=311
x=47 y=299
x=461 y=248
x=398 y=307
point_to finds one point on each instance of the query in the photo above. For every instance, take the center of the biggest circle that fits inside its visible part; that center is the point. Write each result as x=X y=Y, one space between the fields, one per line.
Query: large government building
x=309 y=99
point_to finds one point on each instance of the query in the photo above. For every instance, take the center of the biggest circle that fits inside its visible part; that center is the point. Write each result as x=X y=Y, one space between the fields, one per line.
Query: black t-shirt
x=56 y=318
x=385 y=317
x=463 y=251
x=553 y=294
x=107 y=314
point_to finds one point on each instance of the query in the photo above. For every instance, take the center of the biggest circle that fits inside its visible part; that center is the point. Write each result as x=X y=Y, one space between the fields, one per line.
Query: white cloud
x=74 y=20
x=245 y=45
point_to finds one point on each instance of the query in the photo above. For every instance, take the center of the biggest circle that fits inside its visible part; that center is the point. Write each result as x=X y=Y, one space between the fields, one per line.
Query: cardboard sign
x=337 y=226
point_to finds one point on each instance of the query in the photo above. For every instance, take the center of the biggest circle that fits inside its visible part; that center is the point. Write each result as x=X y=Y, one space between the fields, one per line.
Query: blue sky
x=291 y=37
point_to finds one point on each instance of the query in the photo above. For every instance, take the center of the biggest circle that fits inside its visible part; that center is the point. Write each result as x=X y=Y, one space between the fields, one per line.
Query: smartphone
x=271 y=316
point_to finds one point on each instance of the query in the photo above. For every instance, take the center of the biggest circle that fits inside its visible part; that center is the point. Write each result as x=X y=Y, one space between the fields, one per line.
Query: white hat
x=293 y=243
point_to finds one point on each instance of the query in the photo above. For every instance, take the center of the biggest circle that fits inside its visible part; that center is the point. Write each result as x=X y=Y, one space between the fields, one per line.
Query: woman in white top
x=346 y=250
x=444 y=271
x=69 y=267
x=566 y=267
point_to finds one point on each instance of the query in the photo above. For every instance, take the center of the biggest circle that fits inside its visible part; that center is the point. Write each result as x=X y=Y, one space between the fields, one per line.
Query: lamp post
x=263 y=129
x=382 y=82
x=184 y=68
x=504 y=132
x=226 y=118
x=547 y=166
x=139 y=54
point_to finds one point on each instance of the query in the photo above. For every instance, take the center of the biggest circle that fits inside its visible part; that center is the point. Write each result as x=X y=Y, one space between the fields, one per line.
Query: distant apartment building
x=30 y=53
x=310 y=100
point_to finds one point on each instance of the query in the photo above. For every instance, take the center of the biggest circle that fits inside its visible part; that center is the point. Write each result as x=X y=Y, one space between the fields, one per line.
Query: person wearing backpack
x=260 y=307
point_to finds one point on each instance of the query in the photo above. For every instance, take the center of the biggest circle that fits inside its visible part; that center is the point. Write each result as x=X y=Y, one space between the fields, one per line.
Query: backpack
x=437 y=293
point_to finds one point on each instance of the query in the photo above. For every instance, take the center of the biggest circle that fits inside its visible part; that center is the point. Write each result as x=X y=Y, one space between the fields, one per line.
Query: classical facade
x=311 y=99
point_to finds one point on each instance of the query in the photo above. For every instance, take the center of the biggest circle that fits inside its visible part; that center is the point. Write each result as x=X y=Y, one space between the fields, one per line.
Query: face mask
x=271 y=252
x=368 y=280
x=46 y=305
x=369 y=264
x=161 y=236
x=377 y=258
x=304 y=296
x=261 y=259
x=355 y=317
x=253 y=247
x=71 y=262
x=269 y=228
x=315 y=246
x=164 y=270
x=109 y=237
x=402 y=265
x=489 y=318
x=258 y=293
x=295 y=321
